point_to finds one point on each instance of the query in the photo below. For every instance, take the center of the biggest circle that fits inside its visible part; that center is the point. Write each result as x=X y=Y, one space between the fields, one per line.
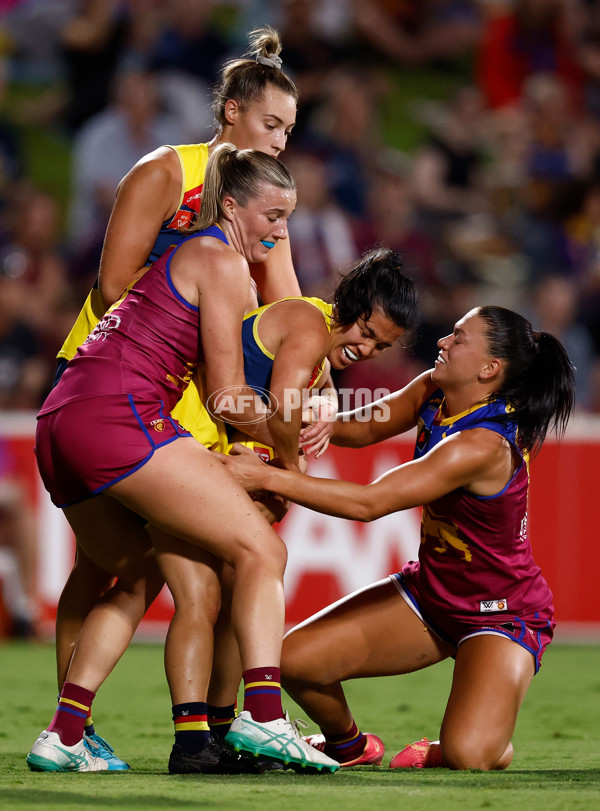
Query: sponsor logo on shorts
x=491 y=606
x=158 y=425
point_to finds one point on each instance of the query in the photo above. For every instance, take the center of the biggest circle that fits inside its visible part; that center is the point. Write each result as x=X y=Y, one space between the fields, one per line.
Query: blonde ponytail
x=238 y=173
x=246 y=79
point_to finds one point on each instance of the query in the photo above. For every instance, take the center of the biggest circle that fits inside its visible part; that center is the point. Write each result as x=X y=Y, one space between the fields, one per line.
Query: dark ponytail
x=539 y=380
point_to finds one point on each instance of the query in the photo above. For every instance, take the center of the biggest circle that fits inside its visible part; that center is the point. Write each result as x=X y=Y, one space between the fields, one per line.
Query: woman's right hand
x=245 y=466
x=318 y=418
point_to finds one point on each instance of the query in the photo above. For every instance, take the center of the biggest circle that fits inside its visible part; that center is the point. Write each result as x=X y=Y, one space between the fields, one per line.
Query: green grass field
x=556 y=765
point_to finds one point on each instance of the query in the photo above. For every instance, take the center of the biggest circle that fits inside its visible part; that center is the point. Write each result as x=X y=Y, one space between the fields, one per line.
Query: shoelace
x=99 y=743
x=296 y=724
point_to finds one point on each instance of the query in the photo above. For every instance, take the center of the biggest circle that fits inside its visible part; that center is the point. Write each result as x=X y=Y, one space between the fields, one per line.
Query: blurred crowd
x=498 y=202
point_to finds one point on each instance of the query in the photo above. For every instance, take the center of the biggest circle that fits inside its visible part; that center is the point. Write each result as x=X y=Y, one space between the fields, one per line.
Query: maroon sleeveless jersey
x=148 y=346
x=475 y=560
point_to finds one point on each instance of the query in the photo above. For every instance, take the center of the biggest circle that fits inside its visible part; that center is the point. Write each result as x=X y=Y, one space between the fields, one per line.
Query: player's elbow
x=363 y=514
x=366 y=509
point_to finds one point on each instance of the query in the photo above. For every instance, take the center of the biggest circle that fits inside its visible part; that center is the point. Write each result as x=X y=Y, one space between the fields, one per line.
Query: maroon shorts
x=532 y=631
x=86 y=446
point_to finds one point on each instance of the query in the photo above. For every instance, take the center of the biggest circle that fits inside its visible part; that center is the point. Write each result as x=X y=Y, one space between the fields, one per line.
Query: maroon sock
x=262 y=693
x=347 y=746
x=73 y=708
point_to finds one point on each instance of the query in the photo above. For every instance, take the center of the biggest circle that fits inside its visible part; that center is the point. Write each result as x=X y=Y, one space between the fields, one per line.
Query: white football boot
x=278 y=740
x=50 y=754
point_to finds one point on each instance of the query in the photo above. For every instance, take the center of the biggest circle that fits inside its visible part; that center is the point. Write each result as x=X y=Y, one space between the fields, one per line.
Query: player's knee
x=506 y=759
x=473 y=753
x=274 y=558
x=197 y=609
x=197 y=597
x=296 y=663
x=267 y=555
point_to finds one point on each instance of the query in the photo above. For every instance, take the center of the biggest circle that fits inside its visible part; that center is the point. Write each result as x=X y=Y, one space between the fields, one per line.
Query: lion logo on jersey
x=445 y=534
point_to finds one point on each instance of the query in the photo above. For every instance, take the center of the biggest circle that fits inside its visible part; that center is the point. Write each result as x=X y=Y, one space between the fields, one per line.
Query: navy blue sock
x=191 y=726
x=220 y=719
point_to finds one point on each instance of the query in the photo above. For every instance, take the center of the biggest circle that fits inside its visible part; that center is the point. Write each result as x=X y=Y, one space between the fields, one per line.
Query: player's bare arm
x=297 y=352
x=390 y=416
x=321 y=410
x=146 y=197
x=461 y=460
x=222 y=295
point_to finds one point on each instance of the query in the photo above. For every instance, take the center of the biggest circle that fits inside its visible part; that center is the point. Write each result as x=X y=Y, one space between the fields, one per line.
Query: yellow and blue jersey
x=258 y=361
x=193 y=159
x=258 y=366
